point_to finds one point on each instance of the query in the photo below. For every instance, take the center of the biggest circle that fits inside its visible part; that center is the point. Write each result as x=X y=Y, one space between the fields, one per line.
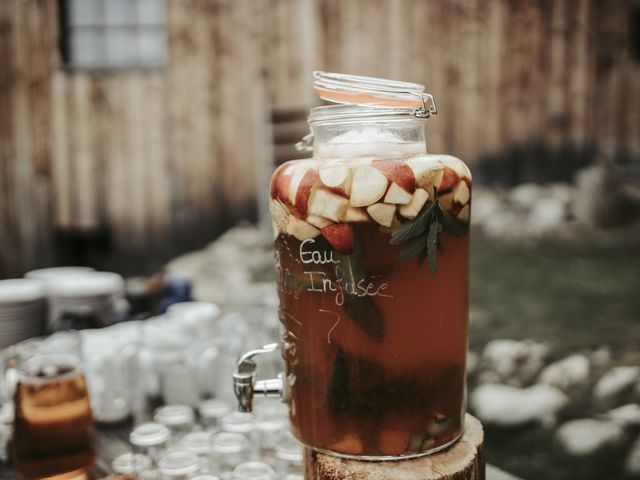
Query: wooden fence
x=124 y=169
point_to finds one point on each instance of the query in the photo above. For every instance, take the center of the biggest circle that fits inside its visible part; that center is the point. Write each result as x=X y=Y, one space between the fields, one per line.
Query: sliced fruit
x=368 y=186
x=461 y=193
x=355 y=214
x=446 y=201
x=337 y=178
x=464 y=213
x=340 y=236
x=397 y=194
x=281 y=181
x=397 y=171
x=297 y=174
x=349 y=444
x=427 y=171
x=317 y=221
x=279 y=215
x=412 y=209
x=394 y=442
x=326 y=204
x=308 y=181
x=301 y=229
x=383 y=213
x=449 y=179
x=456 y=165
x=387 y=230
x=276 y=230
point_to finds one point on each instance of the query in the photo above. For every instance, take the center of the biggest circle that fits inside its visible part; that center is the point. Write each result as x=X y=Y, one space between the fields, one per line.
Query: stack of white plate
x=21 y=310
x=71 y=291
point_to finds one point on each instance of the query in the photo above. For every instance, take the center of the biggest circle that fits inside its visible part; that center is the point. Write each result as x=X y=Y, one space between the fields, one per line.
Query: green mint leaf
x=433 y=240
x=413 y=228
x=366 y=315
x=361 y=310
x=412 y=248
x=337 y=396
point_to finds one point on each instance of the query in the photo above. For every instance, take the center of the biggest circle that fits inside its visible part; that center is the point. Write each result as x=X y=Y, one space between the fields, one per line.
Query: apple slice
x=340 y=236
x=464 y=213
x=461 y=193
x=456 y=165
x=349 y=444
x=355 y=214
x=427 y=171
x=383 y=213
x=337 y=178
x=281 y=181
x=279 y=215
x=326 y=204
x=446 y=201
x=412 y=209
x=397 y=171
x=449 y=179
x=308 y=181
x=368 y=186
x=398 y=195
x=301 y=229
x=394 y=442
x=317 y=221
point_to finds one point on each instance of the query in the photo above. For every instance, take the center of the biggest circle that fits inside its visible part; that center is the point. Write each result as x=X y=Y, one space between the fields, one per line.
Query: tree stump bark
x=462 y=461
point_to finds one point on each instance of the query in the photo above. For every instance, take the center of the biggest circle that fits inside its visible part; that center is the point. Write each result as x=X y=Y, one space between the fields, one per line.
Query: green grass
x=576 y=296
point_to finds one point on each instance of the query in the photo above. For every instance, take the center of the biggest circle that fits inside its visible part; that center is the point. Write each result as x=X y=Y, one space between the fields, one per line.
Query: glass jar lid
x=226 y=442
x=213 y=409
x=254 y=471
x=197 y=442
x=129 y=463
x=179 y=463
x=149 y=434
x=349 y=89
x=238 y=422
x=174 y=415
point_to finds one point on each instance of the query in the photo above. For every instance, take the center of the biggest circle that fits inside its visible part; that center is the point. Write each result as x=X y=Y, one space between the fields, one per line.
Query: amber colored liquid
x=53 y=428
x=360 y=388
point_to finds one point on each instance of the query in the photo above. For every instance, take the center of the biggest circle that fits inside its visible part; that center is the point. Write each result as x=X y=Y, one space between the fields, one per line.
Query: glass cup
x=200 y=444
x=151 y=439
x=288 y=453
x=228 y=450
x=179 y=465
x=180 y=419
x=211 y=412
x=254 y=471
x=131 y=464
x=51 y=402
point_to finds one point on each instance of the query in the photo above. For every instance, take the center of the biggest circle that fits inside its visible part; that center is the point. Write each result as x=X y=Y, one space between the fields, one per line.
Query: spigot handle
x=244 y=381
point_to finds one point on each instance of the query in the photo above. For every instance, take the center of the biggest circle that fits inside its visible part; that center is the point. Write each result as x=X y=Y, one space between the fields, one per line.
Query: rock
x=616 y=382
x=516 y=362
x=509 y=406
x=600 y=358
x=526 y=195
x=599 y=199
x=632 y=465
x=587 y=435
x=570 y=372
x=472 y=361
x=485 y=204
x=626 y=416
x=547 y=215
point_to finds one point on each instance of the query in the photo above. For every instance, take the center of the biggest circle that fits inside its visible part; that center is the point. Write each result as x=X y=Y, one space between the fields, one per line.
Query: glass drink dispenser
x=372 y=256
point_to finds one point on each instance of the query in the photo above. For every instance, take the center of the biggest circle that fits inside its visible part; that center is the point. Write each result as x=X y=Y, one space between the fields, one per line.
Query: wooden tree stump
x=462 y=461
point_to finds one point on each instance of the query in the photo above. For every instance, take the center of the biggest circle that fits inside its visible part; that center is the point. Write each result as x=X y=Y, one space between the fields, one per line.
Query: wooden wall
x=126 y=168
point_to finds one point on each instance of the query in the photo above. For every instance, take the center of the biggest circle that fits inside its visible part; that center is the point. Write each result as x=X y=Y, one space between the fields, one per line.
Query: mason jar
x=372 y=258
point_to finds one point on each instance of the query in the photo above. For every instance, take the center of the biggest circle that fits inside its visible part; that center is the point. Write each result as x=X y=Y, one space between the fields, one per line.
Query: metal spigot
x=245 y=385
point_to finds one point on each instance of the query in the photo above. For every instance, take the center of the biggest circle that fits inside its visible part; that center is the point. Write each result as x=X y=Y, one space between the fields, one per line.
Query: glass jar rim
x=343 y=114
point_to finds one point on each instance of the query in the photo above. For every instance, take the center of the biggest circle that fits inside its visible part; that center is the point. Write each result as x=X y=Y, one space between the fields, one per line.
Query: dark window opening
x=106 y=34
